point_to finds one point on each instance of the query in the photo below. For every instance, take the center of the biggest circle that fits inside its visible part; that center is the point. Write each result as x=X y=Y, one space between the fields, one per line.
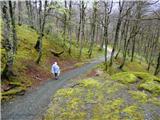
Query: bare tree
x=82 y=25
x=42 y=20
x=121 y=5
x=13 y=26
x=69 y=26
x=93 y=25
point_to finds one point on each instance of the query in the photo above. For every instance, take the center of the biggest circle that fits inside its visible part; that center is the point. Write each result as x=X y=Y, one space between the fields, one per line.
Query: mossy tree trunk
x=136 y=27
x=157 y=70
x=107 y=11
x=64 y=24
x=79 y=25
x=13 y=26
x=121 y=5
x=82 y=35
x=124 y=36
x=93 y=25
x=8 y=42
x=70 y=26
x=29 y=12
x=19 y=13
x=42 y=19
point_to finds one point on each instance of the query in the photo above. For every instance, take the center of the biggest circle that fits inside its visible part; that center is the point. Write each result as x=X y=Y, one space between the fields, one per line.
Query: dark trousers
x=56 y=75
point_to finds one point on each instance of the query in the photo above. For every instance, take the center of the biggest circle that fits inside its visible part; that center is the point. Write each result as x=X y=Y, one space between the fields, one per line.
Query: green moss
x=90 y=83
x=146 y=76
x=151 y=86
x=155 y=101
x=132 y=113
x=109 y=110
x=112 y=88
x=124 y=77
x=67 y=92
x=15 y=83
x=140 y=96
x=14 y=91
x=134 y=67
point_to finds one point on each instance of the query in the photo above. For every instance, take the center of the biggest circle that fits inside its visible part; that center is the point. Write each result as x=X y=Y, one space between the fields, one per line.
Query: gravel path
x=34 y=103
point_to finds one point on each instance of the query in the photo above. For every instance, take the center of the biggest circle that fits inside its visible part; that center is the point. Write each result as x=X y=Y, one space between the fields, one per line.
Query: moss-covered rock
x=125 y=77
x=132 y=113
x=140 y=96
x=90 y=83
x=151 y=86
x=134 y=67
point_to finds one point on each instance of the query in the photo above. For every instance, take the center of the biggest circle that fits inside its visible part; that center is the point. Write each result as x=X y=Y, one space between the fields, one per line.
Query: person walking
x=56 y=70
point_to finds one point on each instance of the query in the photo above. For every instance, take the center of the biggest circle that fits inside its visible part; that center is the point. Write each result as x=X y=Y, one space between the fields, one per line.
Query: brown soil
x=91 y=73
x=38 y=75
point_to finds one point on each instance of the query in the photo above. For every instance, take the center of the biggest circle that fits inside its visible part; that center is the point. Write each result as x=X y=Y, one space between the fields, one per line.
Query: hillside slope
x=27 y=72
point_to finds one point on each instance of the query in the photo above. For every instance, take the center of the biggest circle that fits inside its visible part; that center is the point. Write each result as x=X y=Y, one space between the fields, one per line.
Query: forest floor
x=35 y=102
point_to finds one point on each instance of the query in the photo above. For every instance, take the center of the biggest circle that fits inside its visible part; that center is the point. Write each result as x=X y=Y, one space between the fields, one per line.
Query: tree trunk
x=70 y=25
x=29 y=11
x=65 y=25
x=93 y=25
x=39 y=41
x=82 y=38
x=13 y=27
x=19 y=13
x=115 y=40
x=133 y=49
x=157 y=70
x=8 y=43
x=79 y=25
x=117 y=31
x=126 y=41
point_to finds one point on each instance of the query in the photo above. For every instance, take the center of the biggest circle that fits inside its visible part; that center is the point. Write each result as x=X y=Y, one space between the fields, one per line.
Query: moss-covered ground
x=128 y=94
x=28 y=73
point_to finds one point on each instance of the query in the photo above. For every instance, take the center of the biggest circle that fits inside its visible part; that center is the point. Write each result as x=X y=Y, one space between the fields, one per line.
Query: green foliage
x=124 y=77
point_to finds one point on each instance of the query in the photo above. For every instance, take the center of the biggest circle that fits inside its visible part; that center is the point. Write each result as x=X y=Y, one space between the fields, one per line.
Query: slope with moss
x=27 y=72
x=120 y=95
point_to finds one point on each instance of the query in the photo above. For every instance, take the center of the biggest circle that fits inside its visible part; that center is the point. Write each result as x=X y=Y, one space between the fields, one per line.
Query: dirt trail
x=34 y=103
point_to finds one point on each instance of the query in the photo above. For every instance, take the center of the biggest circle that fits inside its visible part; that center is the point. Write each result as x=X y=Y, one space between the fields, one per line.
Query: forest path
x=34 y=103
